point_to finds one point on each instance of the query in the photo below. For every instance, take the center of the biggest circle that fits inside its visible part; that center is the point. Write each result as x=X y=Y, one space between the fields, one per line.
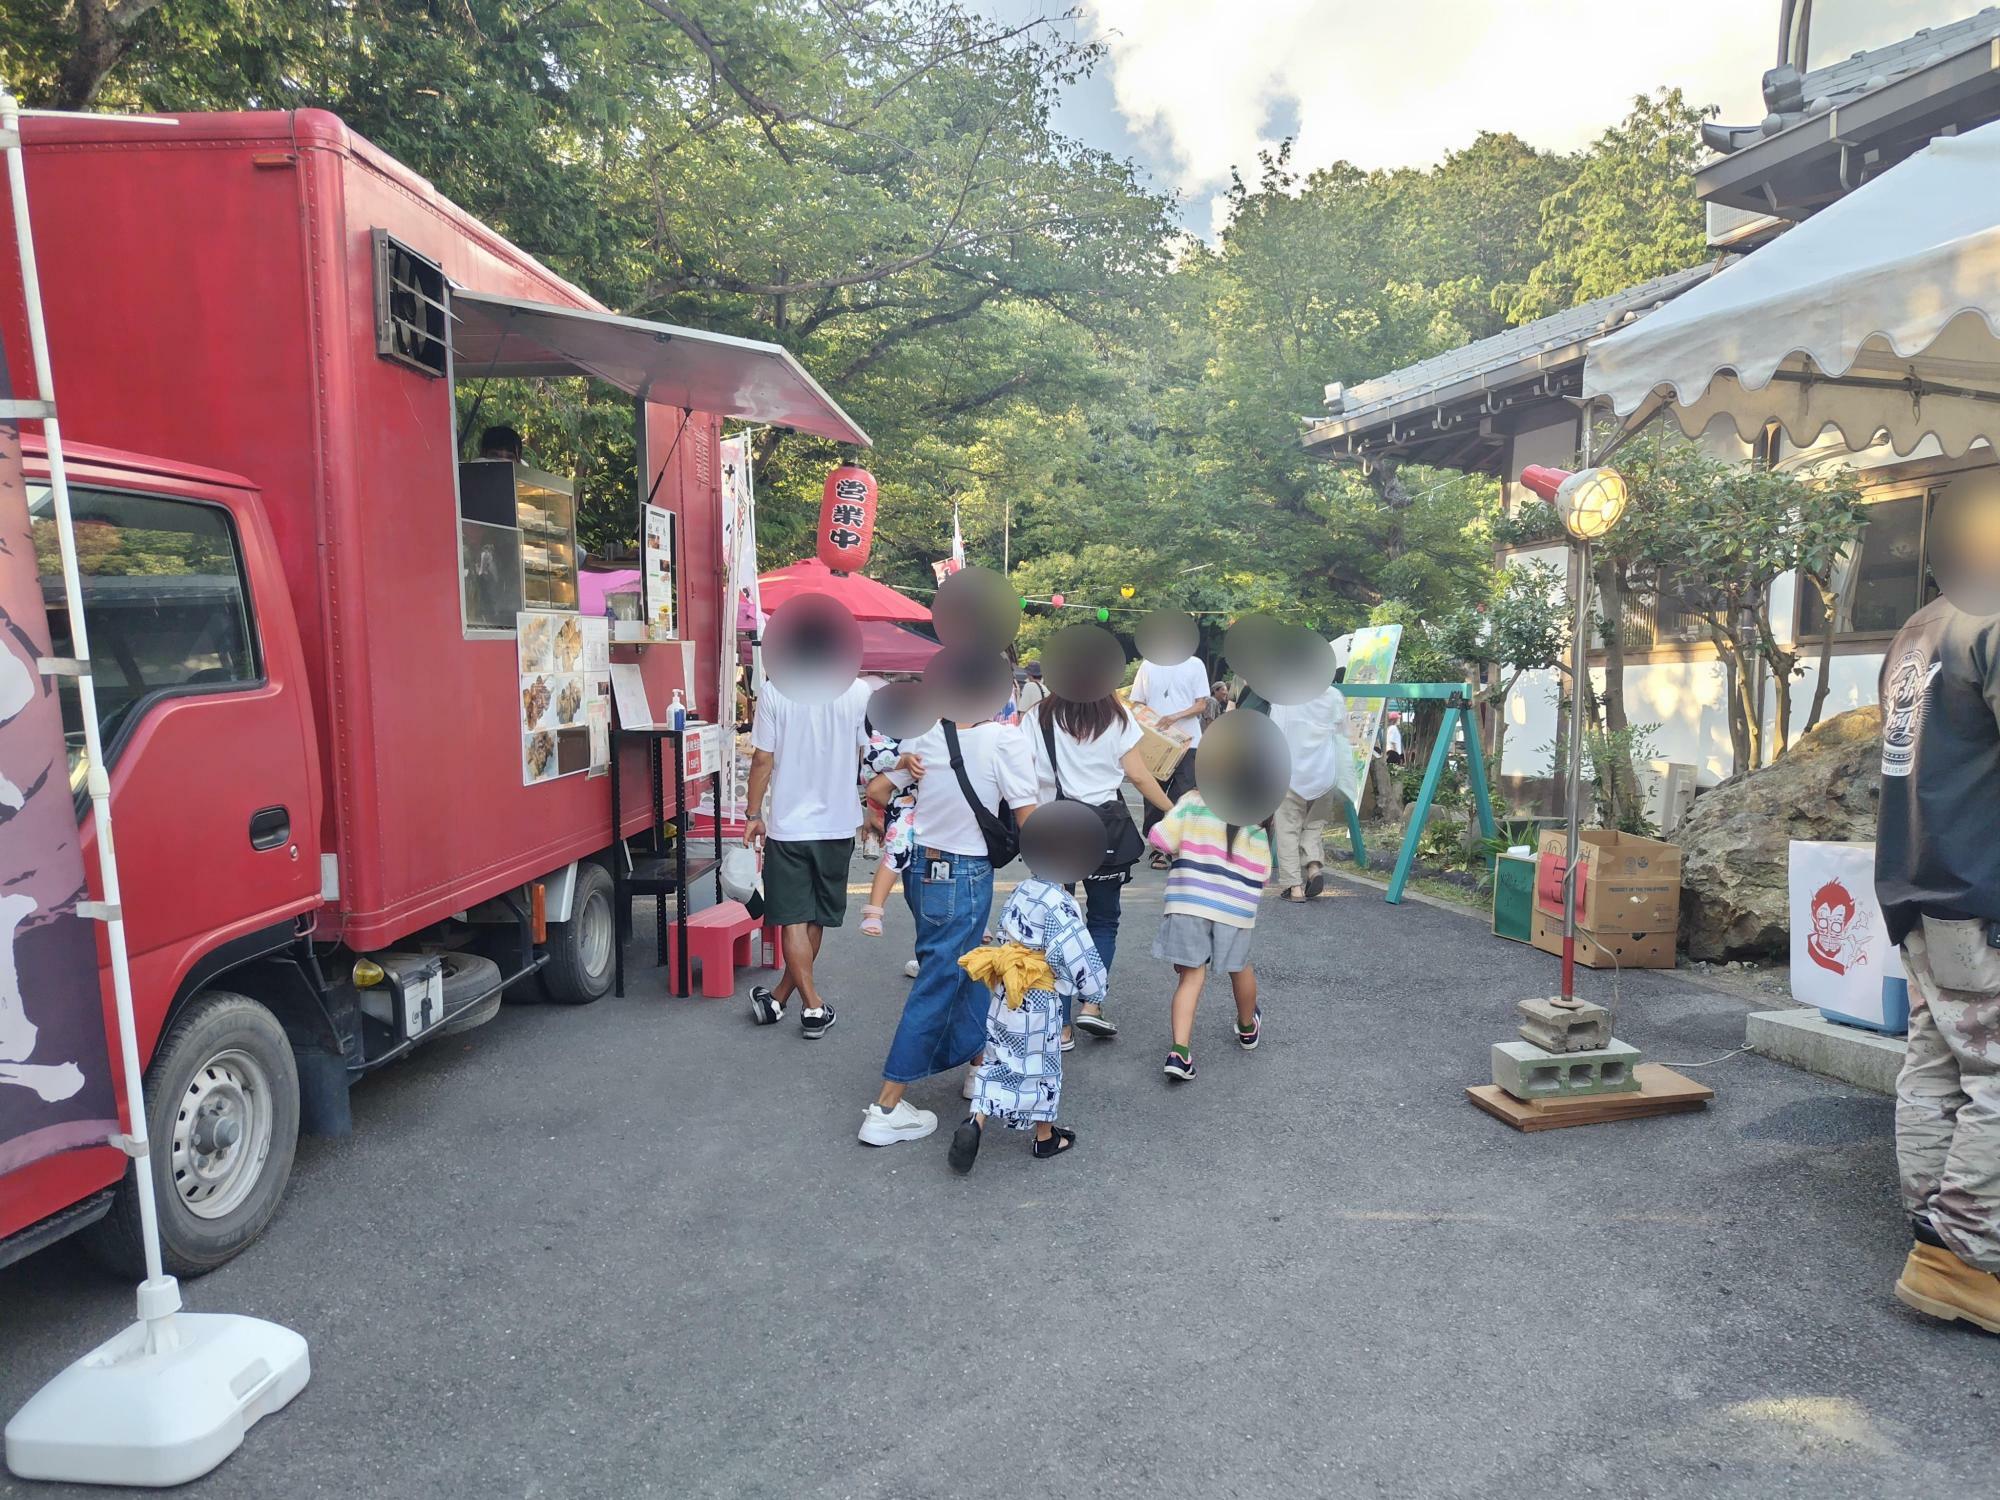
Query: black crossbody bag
x=1122 y=841
x=1003 y=839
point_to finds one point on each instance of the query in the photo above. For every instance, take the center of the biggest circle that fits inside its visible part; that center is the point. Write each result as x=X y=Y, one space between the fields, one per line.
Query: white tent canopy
x=1877 y=315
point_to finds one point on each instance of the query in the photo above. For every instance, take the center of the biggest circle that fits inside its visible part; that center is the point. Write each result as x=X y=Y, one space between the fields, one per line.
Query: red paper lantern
x=847 y=519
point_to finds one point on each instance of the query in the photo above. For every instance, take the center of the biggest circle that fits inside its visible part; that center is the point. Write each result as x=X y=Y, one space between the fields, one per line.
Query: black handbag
x=1003 y=839
x=1123 y=844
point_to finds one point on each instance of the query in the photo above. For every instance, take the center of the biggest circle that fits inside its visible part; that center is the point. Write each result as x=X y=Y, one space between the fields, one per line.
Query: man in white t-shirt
x=1179 y=695
x=949 y=887
x=807 y=755
x=1323 y=773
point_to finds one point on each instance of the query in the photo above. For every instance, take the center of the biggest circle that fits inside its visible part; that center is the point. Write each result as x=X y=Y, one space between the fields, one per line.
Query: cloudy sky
x=1192 y=87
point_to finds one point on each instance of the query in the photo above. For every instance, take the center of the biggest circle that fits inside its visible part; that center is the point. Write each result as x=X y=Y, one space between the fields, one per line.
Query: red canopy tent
x=864 y=597
x=891 y=648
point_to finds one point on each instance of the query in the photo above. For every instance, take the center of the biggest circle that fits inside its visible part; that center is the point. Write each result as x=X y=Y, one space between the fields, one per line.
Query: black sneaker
x=1247 y=1040
x=964 y=1146
x=814 y=1024
x=766 y=1009
x=1180 y=1069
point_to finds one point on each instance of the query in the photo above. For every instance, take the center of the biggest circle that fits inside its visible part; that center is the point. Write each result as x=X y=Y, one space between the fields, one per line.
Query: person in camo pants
x=1937 y=874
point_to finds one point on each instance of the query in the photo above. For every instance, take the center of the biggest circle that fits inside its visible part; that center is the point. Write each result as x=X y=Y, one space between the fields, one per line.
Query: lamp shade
x=1591 y=502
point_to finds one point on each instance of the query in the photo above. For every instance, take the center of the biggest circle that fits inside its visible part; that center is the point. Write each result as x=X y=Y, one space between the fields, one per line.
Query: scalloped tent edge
x=1879 y=315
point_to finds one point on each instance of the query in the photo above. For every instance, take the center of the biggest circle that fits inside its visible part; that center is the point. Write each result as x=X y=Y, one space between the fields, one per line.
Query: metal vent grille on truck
x=410 y=309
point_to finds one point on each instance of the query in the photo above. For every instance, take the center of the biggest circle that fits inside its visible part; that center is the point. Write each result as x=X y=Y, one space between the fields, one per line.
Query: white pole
x=159 y=1294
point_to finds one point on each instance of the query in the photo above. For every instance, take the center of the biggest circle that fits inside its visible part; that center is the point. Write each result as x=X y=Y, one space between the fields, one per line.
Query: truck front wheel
x=581 y=949
x=222 y=1114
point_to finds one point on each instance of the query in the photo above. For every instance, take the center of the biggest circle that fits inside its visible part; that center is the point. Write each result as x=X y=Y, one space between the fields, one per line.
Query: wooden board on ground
x=1661 y=1091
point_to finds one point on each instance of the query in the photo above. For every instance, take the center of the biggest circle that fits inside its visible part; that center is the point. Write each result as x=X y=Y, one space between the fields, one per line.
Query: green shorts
x=806 y=881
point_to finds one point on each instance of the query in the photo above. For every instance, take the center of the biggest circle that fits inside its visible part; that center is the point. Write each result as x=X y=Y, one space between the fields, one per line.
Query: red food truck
x=338 y=657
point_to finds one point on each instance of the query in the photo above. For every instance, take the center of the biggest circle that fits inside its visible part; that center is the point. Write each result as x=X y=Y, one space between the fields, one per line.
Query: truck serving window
x=163 y=596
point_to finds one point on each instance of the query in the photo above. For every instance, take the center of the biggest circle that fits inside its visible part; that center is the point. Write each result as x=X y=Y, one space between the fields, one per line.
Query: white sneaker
x=885 y=1127
x=910 y=969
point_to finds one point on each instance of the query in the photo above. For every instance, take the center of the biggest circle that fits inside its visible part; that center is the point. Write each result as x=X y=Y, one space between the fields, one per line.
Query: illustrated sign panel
x=56 y=1091
x=1371 y=659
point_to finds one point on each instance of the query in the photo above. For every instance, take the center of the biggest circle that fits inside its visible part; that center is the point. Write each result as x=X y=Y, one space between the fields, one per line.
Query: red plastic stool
x=719 y=940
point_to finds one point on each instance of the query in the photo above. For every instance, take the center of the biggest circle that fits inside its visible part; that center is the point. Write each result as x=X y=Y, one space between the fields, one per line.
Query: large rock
x=1734 y=902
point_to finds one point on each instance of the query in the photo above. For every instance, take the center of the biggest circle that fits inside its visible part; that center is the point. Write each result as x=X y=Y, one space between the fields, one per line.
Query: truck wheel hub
x=221 y=1135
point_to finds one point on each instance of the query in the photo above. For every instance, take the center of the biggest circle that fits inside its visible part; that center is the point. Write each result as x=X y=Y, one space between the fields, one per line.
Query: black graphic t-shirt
x=1937 y=843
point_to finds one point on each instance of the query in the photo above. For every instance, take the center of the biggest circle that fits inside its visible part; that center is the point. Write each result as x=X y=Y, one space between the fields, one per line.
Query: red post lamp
x=1589 y=503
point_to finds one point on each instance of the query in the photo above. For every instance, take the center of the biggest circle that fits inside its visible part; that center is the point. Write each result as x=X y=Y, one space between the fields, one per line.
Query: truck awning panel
x=659 y=362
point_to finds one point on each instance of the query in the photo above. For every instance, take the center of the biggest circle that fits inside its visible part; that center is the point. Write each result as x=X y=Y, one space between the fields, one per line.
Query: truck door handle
x=270 y=827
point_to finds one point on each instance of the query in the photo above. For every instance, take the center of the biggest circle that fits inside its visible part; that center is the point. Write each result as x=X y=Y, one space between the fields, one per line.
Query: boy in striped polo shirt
x=1213 y=886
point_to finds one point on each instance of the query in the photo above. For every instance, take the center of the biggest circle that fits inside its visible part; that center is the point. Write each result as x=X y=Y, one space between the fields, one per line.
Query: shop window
x=1880 y=583
x=163 y=600
x=411 y=313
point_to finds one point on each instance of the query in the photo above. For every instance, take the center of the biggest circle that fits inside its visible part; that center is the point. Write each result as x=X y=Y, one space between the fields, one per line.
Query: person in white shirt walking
x=1179 y=694
x=949 y=888
x=807 y=756
x=1086 y=752
x=1323 y=773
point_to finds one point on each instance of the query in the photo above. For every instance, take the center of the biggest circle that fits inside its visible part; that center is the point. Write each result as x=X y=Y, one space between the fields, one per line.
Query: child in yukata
x=1043 y=956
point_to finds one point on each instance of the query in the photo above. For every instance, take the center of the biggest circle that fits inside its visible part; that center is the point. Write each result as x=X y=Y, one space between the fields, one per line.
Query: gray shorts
x=1194 y=941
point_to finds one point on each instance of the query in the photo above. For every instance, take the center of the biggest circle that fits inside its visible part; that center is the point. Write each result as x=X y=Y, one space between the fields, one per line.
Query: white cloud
x=1206 y=83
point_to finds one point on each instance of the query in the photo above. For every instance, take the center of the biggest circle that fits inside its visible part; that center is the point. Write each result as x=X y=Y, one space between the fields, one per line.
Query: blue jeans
x=944 y=1015
x=1101 y=902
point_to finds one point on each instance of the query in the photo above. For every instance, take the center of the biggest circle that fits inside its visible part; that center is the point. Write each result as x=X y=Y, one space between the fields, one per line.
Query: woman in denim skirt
x=949 y=888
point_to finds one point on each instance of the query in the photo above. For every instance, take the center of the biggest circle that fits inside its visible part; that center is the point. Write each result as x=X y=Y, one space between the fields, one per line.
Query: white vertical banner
x=739 y=560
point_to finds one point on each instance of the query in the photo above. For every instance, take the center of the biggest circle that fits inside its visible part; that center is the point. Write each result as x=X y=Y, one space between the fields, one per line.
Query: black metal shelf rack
x=658 y=870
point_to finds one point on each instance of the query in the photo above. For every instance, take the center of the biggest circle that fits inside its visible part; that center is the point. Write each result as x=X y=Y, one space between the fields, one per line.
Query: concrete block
x=1806 y=1039
x=1558 y=1025
x=1527 y=1072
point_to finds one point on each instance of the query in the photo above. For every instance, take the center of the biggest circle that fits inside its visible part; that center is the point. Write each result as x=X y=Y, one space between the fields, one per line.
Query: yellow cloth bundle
x=1015 y=966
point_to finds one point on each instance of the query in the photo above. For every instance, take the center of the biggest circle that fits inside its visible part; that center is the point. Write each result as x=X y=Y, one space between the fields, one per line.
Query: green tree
x=1628 y=215
x=876 y=184
x=1522 y=628
x=1720 y=535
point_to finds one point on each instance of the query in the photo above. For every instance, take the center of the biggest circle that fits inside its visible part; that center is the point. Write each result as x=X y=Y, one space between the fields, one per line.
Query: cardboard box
x=1628 y=907
x=1607 y=950
x=1627 y=883
x=1161 y=749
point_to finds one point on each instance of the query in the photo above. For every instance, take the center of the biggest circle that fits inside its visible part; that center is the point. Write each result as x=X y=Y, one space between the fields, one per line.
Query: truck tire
x=222 y=1113
x=580 y=950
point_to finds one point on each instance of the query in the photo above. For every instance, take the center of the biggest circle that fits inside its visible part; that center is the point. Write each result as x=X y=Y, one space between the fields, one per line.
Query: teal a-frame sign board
x=1457 y=713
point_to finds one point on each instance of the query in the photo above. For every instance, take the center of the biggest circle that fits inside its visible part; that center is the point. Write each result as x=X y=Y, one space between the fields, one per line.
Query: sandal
x=1095 y=1023
x=1315 y=880
x=871 y=921
x=1161 y=862
x=1059 y=1141
x=1295 y=895
x=965 y=1146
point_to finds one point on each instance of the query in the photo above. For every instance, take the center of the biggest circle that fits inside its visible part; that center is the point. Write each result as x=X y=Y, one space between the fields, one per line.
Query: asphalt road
x=636 y=1250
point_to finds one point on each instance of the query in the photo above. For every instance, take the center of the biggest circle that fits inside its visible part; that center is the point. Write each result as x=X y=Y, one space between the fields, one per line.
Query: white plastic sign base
x=122 y=1416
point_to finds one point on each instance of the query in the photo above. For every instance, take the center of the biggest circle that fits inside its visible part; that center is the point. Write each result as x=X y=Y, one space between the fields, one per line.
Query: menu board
x=564 y=663
x=597 y=692
x=657 y=572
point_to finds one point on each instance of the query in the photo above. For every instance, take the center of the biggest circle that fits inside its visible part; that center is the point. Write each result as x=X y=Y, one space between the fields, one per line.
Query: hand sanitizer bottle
x=677 y=714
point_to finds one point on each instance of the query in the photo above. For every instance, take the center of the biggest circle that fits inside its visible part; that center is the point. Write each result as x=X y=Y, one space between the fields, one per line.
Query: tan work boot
x=1938 y=1283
